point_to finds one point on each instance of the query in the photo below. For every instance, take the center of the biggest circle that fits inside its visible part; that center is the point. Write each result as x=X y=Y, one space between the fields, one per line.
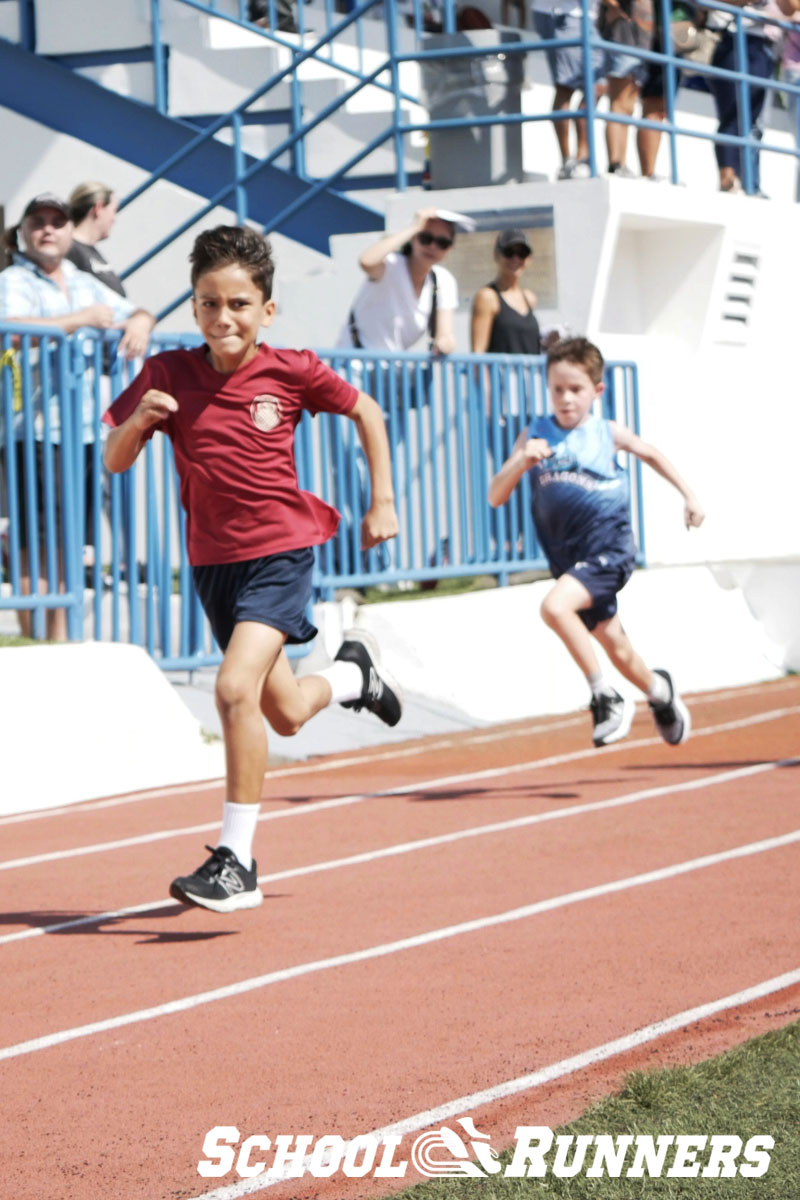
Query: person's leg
x=228 y=879
x=561 y=103
x=249 y=658
x=617 y=645
x=669 y=712
x=761 y=62
x=723 y=92
x=622 y=96
x=612 y=714
x=649 y=140
x=560 y=609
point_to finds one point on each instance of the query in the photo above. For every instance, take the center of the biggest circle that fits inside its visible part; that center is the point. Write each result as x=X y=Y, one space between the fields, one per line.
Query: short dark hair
x=582 y=352
x=234 y=244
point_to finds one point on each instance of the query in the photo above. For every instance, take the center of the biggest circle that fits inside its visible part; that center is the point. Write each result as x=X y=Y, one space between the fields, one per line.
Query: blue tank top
x=579 y=496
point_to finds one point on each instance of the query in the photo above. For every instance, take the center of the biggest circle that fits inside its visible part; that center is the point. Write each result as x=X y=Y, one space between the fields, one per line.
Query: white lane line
x=421 y=747
x=304 y=809
x=386 y=949
x=443 y=839
x=525 y=1083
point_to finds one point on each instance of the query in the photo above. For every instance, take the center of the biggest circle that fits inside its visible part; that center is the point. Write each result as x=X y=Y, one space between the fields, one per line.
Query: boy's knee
x=231 y=692
x=551 y=611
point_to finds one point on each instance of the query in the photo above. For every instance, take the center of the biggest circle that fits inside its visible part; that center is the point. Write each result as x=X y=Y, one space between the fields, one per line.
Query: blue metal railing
x=111 y=551
x=386 y=75
x=396 y=131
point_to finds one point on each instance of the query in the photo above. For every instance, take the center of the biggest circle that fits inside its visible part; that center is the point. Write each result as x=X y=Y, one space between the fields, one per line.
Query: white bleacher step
x=326 y=152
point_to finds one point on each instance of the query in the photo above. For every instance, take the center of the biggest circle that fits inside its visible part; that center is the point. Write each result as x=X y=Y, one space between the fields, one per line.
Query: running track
x=498 y=924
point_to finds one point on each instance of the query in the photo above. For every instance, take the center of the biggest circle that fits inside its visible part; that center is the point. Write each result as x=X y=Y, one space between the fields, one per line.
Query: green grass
x=455 y=586
x=9 y=640
x=751 y=1090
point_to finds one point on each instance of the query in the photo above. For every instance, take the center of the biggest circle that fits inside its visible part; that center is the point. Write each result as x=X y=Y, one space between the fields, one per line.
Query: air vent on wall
x=738 y=296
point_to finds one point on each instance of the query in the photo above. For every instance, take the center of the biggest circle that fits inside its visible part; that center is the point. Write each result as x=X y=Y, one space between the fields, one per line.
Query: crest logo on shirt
x=266 y=412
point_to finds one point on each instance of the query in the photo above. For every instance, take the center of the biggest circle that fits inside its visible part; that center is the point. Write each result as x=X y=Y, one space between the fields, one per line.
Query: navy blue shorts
x=273 y=590
x=603 y=576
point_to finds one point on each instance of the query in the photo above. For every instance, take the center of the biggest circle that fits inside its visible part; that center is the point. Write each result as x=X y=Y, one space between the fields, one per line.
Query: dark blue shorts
x=603 y=575
x=274 y=590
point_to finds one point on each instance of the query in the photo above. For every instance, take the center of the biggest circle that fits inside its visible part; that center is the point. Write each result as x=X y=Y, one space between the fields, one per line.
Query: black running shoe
x=379 y=692
x=612 y=716
x=672 y=718
x=221 y=884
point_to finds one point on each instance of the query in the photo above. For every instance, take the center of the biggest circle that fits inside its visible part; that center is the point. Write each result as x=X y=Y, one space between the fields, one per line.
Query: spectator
x=629 y=24
x=261 y=12
x=408 y=291
x=790 y=72
x=653 y=107
x=761 y=47
x=562 y=19
x=93 y=211
x=503 y=317
x=43 y=287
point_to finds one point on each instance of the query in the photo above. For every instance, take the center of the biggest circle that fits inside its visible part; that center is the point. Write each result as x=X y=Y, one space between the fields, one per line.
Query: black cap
x=512 y=237
x=46 y=200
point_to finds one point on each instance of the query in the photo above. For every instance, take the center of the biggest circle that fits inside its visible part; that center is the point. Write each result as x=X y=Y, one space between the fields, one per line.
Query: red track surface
x=396 y=1030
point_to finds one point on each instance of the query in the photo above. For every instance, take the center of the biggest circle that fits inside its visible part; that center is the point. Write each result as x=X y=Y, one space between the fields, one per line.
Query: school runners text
x=448 y=1153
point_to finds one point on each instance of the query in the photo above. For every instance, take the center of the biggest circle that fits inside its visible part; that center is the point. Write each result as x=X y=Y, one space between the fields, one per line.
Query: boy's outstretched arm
x=526 y=452
x=124 y=443
x=380 y=522
x=626 y=439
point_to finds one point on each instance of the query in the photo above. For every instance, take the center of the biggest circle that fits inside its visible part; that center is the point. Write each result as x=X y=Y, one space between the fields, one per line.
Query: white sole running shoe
x=380 y=692
x=612 y=716
x=672 y=719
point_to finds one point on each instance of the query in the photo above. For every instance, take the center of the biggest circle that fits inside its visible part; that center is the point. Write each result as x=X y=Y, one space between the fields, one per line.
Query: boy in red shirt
x=230 y=408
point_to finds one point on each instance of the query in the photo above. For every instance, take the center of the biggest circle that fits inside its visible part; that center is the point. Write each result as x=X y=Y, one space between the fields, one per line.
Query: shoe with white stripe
x=221 y=884
x=612 y=716
x=380 y=693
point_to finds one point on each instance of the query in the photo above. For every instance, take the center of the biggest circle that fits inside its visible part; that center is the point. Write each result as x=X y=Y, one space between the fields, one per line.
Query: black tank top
x=514 y=332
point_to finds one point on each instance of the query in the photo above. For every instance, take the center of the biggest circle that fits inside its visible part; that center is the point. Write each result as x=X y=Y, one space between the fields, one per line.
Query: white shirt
x=389 y=315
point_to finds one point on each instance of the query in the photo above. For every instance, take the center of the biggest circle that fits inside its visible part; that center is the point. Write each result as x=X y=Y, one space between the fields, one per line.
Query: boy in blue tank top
x=580 y=510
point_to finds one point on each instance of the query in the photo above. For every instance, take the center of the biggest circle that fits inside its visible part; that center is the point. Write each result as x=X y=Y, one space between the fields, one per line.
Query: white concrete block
x=83 y=721
x=489 y=654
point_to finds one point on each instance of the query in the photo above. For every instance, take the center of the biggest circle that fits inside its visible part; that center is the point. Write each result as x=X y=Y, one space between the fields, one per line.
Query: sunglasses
x=515 y=252
x=430 y=239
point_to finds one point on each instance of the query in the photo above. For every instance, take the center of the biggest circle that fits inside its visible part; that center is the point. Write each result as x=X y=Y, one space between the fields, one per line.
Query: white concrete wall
x=489 y=656
x=84 y=721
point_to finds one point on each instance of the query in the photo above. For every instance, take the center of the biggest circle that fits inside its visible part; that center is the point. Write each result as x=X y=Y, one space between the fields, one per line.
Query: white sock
x=345 y=679
x=238 y=829
x=659 y=690
x=599 y=686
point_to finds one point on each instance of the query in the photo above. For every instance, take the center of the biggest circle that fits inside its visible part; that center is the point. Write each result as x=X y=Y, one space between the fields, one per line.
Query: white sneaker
x=575 y=168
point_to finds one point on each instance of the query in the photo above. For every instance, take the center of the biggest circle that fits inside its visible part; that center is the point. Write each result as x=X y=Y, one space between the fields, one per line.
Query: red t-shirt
x=233 y=437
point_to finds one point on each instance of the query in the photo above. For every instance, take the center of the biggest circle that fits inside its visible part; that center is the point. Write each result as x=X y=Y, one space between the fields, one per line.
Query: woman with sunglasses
x=408 y=291
x=503 y=320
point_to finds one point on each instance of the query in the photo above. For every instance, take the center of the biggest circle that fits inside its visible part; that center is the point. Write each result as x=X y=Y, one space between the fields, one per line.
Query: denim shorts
x=603 y=576
x=274 y=590
x=619 y=64
x=566 y=63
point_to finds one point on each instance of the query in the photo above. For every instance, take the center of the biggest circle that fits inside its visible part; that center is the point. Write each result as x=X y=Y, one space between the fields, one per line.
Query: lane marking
x=536 y=1079
x=441 y=781
x=399 y=848
x=328 y=765
x=386 y=949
